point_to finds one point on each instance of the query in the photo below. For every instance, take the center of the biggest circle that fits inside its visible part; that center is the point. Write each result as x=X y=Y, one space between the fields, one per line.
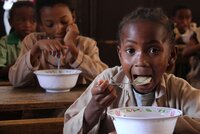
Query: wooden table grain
x=13 y=99
x=5 y=83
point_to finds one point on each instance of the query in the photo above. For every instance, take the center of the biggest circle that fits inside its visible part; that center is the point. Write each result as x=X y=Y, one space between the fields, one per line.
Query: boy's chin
x=144 y=89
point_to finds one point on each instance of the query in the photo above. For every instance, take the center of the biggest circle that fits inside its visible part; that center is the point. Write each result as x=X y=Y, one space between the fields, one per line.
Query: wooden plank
x=5 y=83
x=32 y=126
x=13 y=99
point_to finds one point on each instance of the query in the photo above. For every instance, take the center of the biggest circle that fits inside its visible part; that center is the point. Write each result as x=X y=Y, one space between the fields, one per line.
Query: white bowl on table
x=54 y=80
x=144 y=120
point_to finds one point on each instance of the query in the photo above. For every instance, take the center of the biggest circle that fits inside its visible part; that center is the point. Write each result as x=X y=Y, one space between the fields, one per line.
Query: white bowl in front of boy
x=144 y=120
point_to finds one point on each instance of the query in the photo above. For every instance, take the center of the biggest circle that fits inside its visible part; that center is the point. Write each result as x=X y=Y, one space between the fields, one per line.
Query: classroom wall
x=99 y=19
x=2 y=30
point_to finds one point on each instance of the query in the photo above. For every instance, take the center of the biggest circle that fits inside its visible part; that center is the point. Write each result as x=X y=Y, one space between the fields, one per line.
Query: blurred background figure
x=184 y=27
x=22 y=22
x=187 y=33
x=58 y=42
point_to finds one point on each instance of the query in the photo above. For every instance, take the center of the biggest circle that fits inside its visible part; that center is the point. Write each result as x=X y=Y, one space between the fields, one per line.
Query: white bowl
x=54 y=80
x=144 y=120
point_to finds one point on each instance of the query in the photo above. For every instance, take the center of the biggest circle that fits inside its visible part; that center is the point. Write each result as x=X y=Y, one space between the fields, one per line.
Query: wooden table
x=13 y=99
x=22 y=99
x=5 y=83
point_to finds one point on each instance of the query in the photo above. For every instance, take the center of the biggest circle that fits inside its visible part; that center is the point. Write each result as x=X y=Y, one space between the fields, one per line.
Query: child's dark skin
x=25 y=24
x=58 y=23
x=143 y=51
x=183 y=18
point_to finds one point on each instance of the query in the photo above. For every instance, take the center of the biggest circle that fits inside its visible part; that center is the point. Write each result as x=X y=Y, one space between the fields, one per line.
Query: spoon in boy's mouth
x=140 y=80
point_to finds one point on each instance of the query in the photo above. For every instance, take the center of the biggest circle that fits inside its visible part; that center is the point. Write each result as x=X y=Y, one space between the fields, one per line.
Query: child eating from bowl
x=146 y=50
x=60 y=43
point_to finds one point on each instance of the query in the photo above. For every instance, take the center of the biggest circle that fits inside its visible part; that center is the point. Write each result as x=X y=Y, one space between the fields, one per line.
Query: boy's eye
x=130 y=51
x=153 y=50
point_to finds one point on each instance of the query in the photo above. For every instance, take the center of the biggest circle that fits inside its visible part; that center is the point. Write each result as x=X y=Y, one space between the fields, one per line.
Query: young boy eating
x=146 y=50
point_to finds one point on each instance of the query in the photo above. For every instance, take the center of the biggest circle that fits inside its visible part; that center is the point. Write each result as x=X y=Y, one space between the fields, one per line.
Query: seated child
x=184 y=27
x=146 y=49
x=62 y=41
x=189 y=34
x=22 y=21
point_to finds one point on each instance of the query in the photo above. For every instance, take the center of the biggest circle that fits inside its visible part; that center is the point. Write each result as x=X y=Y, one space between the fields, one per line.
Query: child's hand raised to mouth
x=72 y=33
x=70 y=40
x=103 y=94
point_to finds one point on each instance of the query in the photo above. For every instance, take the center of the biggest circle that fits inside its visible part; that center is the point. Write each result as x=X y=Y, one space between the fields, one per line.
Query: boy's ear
x=119 y=52
x=172 y=60
x=74 y=15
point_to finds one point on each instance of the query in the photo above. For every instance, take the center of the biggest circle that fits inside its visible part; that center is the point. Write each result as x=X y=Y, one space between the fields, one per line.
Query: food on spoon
x=142 y=80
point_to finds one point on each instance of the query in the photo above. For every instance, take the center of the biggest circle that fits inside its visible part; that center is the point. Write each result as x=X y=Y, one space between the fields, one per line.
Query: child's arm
x=186 y=124
x=102 y=96
x=70 y=40
x=85 y=53
x=191 y=48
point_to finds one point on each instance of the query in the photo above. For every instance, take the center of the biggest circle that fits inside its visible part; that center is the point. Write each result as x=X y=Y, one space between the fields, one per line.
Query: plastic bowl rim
x=42 y=72
x=144 y=118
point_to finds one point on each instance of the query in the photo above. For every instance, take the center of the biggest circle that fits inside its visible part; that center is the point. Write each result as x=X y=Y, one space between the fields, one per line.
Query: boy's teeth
x=142 y=80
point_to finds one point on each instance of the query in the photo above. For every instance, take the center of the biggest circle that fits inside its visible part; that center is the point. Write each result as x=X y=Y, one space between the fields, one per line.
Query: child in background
x=63 y=41
x=22 y=21
x=146 y=50
x=184 y=29
x=188 y=33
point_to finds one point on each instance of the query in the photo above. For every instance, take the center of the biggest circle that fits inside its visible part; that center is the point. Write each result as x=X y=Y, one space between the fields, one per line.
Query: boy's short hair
x=20 y=4
x=39 y=4
x=150 y=14
x=179 y=7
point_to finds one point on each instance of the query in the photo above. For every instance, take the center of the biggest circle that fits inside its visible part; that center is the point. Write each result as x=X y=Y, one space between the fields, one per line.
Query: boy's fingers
x=107 y=100
x=100 y=87
x=103 y=86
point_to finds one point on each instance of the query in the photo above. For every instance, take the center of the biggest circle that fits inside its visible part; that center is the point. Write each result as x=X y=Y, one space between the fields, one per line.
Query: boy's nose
x=141 y=60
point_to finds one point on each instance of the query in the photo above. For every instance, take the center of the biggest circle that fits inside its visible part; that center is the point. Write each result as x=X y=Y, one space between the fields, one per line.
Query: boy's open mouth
x=142 y=79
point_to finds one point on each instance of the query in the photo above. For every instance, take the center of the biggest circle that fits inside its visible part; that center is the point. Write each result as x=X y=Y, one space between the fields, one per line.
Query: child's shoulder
x=173 y=82
x=172 y=78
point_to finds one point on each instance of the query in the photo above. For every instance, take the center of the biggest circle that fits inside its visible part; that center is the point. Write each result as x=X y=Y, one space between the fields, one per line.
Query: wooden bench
x=32 y=126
